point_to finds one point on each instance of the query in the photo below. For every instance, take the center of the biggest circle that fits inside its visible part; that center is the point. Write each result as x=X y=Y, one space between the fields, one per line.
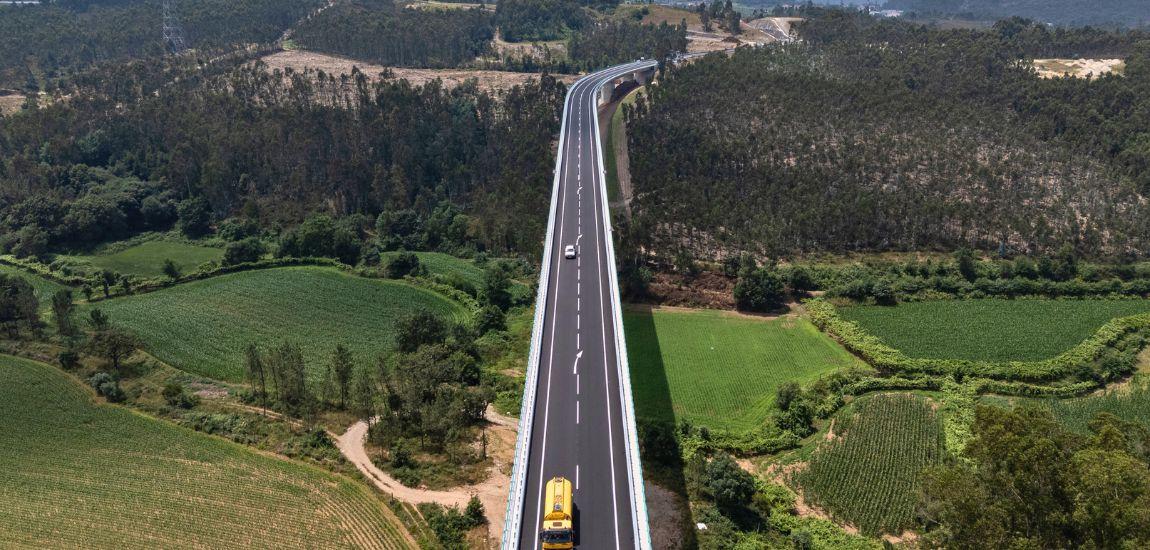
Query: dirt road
x=491 y=492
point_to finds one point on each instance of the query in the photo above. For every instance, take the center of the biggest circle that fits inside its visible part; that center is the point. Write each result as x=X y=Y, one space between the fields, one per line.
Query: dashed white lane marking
x=576 y=476
x=576 y=411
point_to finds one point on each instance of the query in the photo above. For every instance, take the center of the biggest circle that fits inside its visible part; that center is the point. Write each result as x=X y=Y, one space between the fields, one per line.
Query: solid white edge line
x=550 y=363
x=516 y=498
x=516 y=495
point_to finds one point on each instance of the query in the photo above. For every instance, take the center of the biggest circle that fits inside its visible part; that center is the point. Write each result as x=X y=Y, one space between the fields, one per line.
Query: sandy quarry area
x=492 y=81
x=10 y=103
x=1079 y=68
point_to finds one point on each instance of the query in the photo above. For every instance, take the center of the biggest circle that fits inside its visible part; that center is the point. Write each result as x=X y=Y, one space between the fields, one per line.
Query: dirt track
x=492 y=492
x=489 y=81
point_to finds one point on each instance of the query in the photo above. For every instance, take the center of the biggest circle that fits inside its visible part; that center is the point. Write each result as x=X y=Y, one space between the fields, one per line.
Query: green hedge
x=881 y=356
x=42 y=270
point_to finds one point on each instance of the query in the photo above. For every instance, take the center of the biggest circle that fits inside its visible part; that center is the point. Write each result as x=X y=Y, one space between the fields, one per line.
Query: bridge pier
x=628 y=81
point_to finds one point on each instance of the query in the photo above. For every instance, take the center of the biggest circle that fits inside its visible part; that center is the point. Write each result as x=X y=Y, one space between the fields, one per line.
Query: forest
x=134 y=151
x=616 y=42
x=936 y=140
x=527 y=20
x=41 y=43
x=1108 y=13
x=380 y=31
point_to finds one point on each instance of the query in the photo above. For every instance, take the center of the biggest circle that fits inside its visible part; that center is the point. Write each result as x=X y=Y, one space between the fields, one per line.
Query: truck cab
x=557 y=531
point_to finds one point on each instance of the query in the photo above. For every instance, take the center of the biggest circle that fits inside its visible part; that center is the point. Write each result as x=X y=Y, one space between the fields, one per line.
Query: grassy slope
x=869 y=476
x=44 y=288
x=991 y=330
x=80 y=475
x=438 y=263
x=204 y=326
x=147 y=259
x=719 y=370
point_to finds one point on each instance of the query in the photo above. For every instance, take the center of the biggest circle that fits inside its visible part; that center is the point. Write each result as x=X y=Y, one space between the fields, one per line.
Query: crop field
x=147 y=259
x=204 y=326
x=869 y=477
x=989 y=330
x=720 y=370
x=80 y=475
x=438 y=263
x=44 y=288
x=1130 y=403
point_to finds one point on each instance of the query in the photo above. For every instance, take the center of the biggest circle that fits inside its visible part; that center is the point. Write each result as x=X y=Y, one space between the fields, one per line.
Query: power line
x=173 y=32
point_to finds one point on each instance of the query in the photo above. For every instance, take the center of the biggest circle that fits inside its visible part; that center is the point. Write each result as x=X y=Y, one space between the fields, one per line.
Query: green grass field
x=990 y=330
x=44 y=288
x=147 y=259
x=438 y=263
x=1130 y=403
x=868 y=476
x=203 y=326
x=75 y=474
x=719 y=370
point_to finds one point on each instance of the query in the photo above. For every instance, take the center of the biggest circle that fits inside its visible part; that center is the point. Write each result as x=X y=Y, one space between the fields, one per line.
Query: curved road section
x=577 y=419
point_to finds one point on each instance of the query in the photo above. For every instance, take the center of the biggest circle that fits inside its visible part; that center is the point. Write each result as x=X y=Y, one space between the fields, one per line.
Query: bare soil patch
x=10 y=102
x=491 y=81
x=434 y=5
x=672 y=512
x=1078 y=68
x=555 y=49
x=492 y=492
x=708 y=290
x=783 y=24
x=782 y=473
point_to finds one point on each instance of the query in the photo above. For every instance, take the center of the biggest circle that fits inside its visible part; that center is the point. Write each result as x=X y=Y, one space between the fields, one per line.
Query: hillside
x=842 y=145
x=203 y=327
x=77 y=474
x=1060 y=12
x=43 y=42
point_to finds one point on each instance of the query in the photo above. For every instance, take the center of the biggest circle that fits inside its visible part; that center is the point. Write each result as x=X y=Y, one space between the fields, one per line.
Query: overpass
x=578 y=420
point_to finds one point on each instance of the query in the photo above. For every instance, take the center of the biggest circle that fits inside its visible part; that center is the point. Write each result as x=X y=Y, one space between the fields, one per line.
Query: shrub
x=68 y=359
x=727 y=483
x=107 y=386
x=402 y=264
x=490 y=318
x=175 y=396
x=247 y=250
x=762 y=290
x=474 y=512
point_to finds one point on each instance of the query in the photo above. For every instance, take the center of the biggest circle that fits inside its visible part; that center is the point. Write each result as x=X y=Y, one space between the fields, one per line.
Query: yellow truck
x=557 y=531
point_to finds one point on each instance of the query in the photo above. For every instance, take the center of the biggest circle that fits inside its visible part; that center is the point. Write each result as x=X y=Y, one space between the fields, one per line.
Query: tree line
x=384 y=32
x=1113 y=13
x=614 y=42
x=42 y=43
x=131 y=151
x=934 y=140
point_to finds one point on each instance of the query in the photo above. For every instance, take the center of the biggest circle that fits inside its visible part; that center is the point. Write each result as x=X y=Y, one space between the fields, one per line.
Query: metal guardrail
x=514 y=517
x=516 y=499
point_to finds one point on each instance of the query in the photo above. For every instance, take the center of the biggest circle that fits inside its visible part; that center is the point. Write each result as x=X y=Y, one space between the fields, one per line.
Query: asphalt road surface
x=578 y=427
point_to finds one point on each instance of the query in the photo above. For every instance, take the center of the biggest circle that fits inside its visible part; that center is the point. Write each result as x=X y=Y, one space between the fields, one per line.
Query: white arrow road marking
x=577 y=356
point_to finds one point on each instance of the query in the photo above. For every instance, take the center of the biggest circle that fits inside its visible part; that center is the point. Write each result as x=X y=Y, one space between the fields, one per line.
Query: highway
x=578 y=428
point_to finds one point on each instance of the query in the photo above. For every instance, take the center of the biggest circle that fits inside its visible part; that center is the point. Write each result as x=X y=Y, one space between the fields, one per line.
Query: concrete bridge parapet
x=626 y=82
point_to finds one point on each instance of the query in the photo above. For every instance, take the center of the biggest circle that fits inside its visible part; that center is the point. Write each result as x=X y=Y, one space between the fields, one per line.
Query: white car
x=569 y=251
